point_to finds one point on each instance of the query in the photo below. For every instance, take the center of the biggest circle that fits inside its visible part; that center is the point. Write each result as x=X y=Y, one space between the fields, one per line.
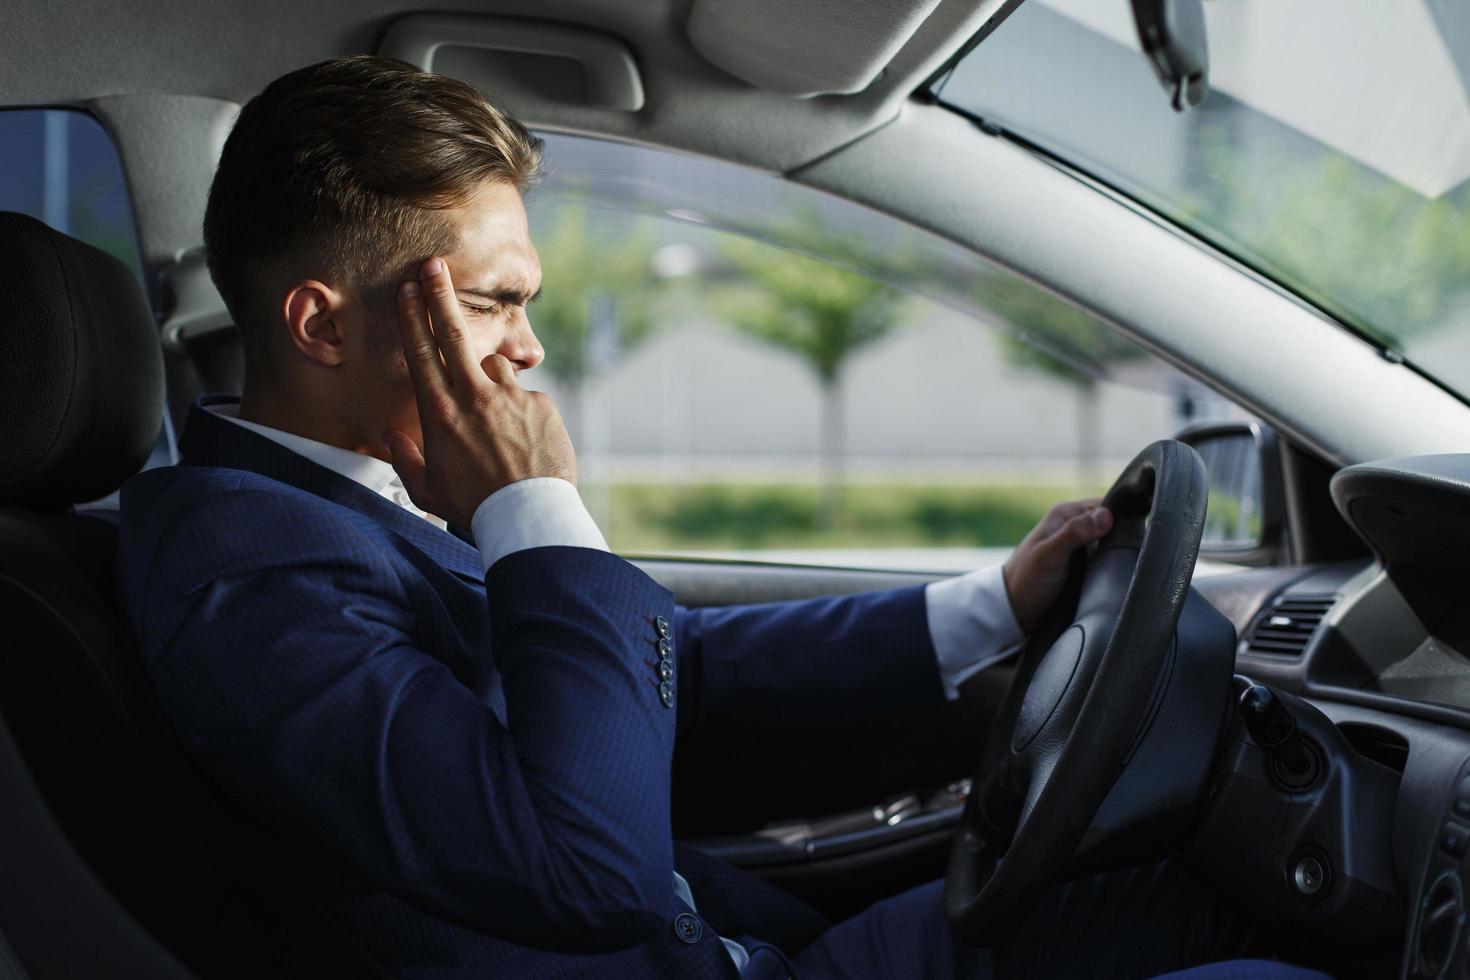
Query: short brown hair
x=336 y=171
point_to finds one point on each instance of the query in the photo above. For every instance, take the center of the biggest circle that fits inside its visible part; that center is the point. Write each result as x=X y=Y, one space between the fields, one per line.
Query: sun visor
x=527 y=64
x=804 y=48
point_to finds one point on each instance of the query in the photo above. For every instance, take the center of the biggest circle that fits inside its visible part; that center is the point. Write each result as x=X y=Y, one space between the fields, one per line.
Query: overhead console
x=528 y=63
x=1404 y=633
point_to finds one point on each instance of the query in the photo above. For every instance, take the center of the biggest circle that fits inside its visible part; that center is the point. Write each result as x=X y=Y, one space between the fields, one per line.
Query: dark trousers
x=1143 y=922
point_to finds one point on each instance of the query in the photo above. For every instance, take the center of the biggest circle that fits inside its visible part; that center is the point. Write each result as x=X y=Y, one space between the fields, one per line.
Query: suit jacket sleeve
x=796 y=664
x=295 y=670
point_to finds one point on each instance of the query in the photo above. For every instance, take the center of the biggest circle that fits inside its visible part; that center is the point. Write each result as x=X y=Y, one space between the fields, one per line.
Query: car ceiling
x=76 y=50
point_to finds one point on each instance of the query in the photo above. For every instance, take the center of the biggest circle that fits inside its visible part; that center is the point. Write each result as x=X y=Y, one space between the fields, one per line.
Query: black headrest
x=81 y=370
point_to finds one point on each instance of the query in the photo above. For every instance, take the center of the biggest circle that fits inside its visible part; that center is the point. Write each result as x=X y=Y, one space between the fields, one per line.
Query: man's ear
x=314 y=322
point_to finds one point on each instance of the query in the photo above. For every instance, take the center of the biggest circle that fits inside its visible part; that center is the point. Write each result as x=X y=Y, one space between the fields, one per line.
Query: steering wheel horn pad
x=1049 y=684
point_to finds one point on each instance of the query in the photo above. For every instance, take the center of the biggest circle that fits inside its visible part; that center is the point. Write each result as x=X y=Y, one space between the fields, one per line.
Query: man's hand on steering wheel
x=1036 y=571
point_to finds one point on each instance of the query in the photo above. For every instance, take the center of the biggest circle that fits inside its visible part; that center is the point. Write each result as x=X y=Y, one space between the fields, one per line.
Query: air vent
x=1285 y=629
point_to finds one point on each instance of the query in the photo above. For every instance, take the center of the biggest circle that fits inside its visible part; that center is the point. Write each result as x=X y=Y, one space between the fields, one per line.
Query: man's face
x=496 y=273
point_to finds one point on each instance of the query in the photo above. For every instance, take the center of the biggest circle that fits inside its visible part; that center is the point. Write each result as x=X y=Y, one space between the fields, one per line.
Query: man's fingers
x=448 y=321
x=419 y=348
x=1072 y=508
x=1060 y=514
x=1084 y=528
x=408 y=462
x=499 y=369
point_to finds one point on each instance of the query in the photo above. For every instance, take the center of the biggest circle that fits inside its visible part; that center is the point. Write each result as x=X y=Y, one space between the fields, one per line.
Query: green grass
x=659 y=517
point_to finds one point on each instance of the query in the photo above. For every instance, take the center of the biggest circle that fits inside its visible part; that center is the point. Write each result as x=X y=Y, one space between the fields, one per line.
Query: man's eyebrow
x=517 y=296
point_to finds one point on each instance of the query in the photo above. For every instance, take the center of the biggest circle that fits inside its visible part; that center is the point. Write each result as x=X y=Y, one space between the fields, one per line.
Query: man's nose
x=521 y=347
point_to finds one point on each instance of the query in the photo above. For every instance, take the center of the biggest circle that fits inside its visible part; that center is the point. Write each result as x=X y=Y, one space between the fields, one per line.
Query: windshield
x=1332 y=153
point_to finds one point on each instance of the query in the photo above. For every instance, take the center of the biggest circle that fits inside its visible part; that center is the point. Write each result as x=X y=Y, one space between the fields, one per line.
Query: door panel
x=728 y=583
x=839 y=815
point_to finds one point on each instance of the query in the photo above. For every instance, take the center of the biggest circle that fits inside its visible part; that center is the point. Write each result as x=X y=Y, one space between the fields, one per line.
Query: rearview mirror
x=1243 y=518
x=1172 y=33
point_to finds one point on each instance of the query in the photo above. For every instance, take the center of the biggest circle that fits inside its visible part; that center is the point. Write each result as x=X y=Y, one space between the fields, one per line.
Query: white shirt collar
x=376 y=475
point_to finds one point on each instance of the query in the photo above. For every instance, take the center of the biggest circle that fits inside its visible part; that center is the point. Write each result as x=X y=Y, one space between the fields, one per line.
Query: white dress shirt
x=970 y=619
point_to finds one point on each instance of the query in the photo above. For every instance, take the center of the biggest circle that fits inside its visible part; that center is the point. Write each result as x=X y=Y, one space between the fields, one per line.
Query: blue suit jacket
x=478 y=764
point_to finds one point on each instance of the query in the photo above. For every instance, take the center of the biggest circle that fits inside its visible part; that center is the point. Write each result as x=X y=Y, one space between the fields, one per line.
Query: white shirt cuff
x=535 y=513
x=971 y=624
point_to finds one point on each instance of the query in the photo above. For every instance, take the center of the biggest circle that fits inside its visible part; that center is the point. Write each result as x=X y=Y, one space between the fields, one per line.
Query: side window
x=752 y=369
x=58 y=165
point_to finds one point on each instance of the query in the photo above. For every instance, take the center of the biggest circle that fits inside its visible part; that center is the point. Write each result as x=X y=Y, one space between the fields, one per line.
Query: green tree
x=1358 y=243
x=591 y=272
x=1361 y=245
x=821 y=312
x=1051 y=337
x=599 y=300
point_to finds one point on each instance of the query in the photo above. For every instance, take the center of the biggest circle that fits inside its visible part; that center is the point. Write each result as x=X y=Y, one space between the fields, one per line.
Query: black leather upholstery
x=48 y=887
x=175 y=866
x=197 y=874
x=81 y=371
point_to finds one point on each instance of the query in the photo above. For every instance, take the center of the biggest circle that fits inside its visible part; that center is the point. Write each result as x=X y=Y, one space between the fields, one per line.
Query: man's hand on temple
x=1036 y=571
x=481 y=429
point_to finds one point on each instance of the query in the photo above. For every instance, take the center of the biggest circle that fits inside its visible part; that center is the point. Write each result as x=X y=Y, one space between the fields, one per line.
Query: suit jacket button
x=662 y=625
x=688 y=927
x=665 y=670
x=666 y=647
x=666 y=693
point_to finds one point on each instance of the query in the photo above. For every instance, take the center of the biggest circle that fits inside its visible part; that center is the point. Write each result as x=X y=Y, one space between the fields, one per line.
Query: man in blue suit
x=376 y=612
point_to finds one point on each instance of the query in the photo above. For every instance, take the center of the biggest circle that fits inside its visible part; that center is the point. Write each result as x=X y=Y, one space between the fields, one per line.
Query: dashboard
x=1375 y=860
x=1381 y=648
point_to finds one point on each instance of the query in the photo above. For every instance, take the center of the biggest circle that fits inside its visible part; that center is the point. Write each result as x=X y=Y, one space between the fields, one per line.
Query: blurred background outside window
x=754 y=369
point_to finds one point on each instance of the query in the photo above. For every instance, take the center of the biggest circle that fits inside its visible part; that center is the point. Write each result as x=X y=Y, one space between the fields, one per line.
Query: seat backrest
x=48 y=891
x=81 y=391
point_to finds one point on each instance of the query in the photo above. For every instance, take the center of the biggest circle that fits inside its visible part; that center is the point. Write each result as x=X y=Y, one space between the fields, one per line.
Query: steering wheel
x=1086 y=690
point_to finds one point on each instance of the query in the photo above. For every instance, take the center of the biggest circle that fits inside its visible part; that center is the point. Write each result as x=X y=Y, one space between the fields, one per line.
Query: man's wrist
x=971 y=625
x=537 y=513
x=1010 y=596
